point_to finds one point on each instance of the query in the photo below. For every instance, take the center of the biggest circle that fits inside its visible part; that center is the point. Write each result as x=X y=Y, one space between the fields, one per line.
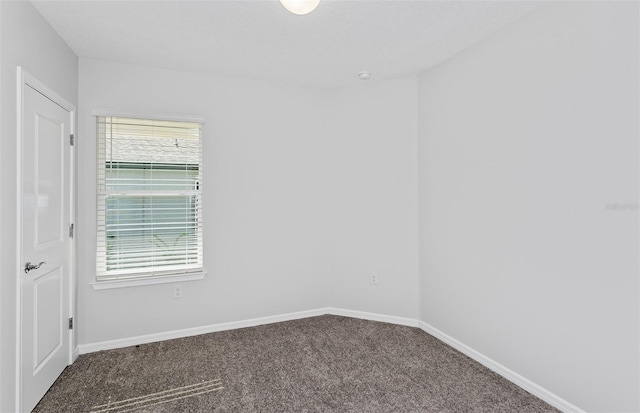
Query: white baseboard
x=512 y=376
x=409 y=322
x=188 y=332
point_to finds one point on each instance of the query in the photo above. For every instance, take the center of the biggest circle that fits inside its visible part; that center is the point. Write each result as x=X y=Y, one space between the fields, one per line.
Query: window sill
x=107 y=285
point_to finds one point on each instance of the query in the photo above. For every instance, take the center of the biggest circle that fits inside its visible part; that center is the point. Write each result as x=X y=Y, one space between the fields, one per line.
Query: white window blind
x=149 y=198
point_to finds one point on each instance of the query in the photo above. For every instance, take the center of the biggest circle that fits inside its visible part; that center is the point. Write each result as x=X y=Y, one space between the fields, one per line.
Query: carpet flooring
x=319 y=364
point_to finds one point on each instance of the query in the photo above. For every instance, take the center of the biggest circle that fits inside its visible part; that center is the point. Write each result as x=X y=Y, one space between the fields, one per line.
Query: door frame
x=24 y=79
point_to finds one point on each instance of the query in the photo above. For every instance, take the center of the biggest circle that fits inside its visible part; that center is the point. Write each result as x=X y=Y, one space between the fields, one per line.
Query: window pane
x=147 y=177
x=158 y=230
x=149 y=198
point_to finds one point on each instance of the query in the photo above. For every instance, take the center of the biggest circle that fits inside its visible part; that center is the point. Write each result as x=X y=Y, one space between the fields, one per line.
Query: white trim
x=136 y=282
x=25 y=79
x=403 y=321
x=538 y=391
x=194 y=331
x=72 y=220
x=48 y=93
x=212 y=328
x=505 y=372
x=19 y=109
x=124 y=113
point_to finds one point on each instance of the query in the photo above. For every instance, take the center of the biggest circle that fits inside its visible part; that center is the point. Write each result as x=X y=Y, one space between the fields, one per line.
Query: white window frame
x=172 y=277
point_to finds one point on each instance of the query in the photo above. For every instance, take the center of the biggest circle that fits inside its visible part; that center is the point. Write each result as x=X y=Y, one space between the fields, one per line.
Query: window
x=149 y=198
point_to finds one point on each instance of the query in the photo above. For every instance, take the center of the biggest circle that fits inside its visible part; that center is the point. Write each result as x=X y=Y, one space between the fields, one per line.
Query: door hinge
x=71 y=228
x=71 y=323
x=72 y=139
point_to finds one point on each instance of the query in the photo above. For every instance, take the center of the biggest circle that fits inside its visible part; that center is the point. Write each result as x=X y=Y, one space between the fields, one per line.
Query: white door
x=45 y=244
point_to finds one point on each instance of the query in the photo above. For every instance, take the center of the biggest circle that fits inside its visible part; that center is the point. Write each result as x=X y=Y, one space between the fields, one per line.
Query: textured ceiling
x=261 y=40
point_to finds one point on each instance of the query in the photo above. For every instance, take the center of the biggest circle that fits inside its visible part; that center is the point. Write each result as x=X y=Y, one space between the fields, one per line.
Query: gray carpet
x=318 y=364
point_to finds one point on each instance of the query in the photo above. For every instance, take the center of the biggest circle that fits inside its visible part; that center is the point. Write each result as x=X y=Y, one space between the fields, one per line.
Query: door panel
x=46 y=195
x=47 y=317
x=50 y=144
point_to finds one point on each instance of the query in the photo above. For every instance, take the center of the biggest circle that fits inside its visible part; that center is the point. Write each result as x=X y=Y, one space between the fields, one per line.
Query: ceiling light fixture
x=300 y=7
x=364 y=75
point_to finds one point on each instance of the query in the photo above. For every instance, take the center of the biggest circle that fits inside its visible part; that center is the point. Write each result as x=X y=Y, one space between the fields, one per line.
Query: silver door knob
x=28 y=266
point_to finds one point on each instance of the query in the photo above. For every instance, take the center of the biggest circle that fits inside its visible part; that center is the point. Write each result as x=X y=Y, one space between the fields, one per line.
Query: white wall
x=306 y=192
x=263 y=165
x=372 y=170
x=527 y=139
x=26 y=40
